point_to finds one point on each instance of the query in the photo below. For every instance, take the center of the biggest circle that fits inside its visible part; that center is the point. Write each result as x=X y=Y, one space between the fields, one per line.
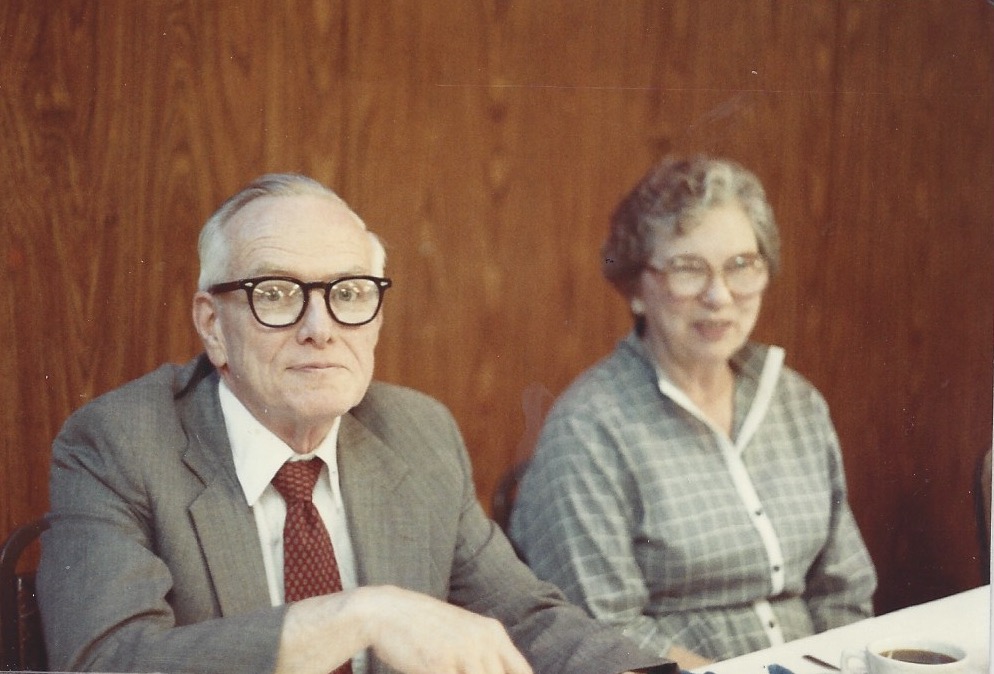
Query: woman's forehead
x=717 y=229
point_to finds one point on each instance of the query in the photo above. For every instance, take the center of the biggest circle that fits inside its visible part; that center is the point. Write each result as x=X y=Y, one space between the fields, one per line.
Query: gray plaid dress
x=655 y=520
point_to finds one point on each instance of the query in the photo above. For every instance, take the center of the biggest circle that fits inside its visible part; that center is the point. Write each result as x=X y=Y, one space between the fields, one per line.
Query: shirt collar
x=749 y=361
x=258 y=453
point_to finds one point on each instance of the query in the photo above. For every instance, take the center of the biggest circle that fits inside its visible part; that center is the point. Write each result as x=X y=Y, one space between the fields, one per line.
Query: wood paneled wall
x=487 y=143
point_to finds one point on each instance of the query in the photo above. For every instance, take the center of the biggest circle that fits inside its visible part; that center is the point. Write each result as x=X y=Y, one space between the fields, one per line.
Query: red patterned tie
x=309 y=566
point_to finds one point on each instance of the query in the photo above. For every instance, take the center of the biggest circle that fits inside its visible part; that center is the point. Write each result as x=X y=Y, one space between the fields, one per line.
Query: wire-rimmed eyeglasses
x=688 y=276
x=281 y=301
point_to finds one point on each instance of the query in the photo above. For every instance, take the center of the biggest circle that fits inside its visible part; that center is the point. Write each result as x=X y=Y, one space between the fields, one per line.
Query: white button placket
x=732 y=454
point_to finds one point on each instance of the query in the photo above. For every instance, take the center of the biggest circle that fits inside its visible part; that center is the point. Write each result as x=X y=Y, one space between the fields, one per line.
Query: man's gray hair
x=213 y=246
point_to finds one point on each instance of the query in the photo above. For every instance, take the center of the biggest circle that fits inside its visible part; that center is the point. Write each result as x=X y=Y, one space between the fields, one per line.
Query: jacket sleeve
x=555 y=636
x=107 y=593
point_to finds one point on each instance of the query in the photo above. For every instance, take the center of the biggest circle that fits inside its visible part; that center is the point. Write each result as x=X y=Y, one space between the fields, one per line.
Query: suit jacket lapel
x=391 y=544
x=224 y=522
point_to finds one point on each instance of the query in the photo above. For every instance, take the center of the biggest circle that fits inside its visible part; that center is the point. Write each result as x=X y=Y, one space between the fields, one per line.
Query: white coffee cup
x=905 y=655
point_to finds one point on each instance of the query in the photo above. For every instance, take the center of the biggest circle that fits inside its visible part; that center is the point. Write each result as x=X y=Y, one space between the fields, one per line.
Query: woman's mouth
x=713 y=331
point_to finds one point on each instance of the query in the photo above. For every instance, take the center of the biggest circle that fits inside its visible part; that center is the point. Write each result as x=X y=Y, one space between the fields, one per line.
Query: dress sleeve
x=840 y=584
x=574 y=520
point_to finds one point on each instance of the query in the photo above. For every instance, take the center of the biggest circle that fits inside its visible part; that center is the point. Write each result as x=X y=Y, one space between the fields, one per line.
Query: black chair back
x=502 y=500
x=21 y=641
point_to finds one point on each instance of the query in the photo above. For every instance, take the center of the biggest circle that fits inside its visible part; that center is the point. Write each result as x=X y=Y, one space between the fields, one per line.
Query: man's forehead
x=312 y=209
x=305 y=234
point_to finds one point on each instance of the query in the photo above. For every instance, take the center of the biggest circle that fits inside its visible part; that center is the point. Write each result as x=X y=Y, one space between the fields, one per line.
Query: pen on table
x=818 y=661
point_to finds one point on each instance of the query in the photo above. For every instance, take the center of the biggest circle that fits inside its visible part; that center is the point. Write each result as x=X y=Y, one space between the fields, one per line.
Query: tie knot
x=296 y=479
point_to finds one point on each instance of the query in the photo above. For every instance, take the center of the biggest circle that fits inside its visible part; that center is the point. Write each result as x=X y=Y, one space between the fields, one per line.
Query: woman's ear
x=208 y=325
x=638 y=306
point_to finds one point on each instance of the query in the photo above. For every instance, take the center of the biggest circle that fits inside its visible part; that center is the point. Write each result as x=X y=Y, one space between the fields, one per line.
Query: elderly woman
x=689 y=487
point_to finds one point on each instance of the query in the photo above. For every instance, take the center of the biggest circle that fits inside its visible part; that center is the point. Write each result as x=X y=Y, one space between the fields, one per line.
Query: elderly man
x=269 y=508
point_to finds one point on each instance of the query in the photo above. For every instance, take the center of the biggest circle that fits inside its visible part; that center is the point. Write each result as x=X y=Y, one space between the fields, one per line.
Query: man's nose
x=317 y=323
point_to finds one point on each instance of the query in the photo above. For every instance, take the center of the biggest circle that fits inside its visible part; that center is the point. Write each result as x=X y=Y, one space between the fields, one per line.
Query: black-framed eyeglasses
x=688 y=276
x=281 y=301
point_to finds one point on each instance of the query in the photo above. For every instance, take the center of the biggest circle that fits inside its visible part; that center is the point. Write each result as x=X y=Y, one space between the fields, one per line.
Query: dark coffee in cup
x=918 y=656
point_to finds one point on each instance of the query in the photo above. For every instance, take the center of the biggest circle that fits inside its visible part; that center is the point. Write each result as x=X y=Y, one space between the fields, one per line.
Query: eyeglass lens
x=689 y=276
x=281 y=302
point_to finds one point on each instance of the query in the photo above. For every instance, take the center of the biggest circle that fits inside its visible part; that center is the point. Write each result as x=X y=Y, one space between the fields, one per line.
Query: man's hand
x=411 y=632
x=417 y=634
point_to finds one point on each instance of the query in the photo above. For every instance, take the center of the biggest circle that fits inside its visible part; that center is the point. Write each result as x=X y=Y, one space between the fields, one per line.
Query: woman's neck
x=710 y=386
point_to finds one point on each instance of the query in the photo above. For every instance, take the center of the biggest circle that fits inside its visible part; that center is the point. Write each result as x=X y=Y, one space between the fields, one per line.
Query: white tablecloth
x=963 y=619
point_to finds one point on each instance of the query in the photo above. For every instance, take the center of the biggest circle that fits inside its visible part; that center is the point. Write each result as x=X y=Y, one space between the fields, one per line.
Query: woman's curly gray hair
x=669 y=201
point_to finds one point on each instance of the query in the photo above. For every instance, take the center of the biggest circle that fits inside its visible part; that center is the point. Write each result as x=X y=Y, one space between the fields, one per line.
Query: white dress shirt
x=258 y=454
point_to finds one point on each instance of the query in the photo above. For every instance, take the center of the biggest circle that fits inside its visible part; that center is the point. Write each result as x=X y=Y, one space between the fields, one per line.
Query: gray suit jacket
x=153 y=562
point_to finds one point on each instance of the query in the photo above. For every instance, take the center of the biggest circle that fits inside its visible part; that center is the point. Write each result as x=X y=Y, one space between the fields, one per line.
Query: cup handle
x=854 y=662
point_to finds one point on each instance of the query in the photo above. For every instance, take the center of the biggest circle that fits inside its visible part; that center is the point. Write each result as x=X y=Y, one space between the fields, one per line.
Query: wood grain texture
x=487 y=144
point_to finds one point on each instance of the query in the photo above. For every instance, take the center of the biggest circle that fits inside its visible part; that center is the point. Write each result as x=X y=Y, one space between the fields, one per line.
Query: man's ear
x=208 y=325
